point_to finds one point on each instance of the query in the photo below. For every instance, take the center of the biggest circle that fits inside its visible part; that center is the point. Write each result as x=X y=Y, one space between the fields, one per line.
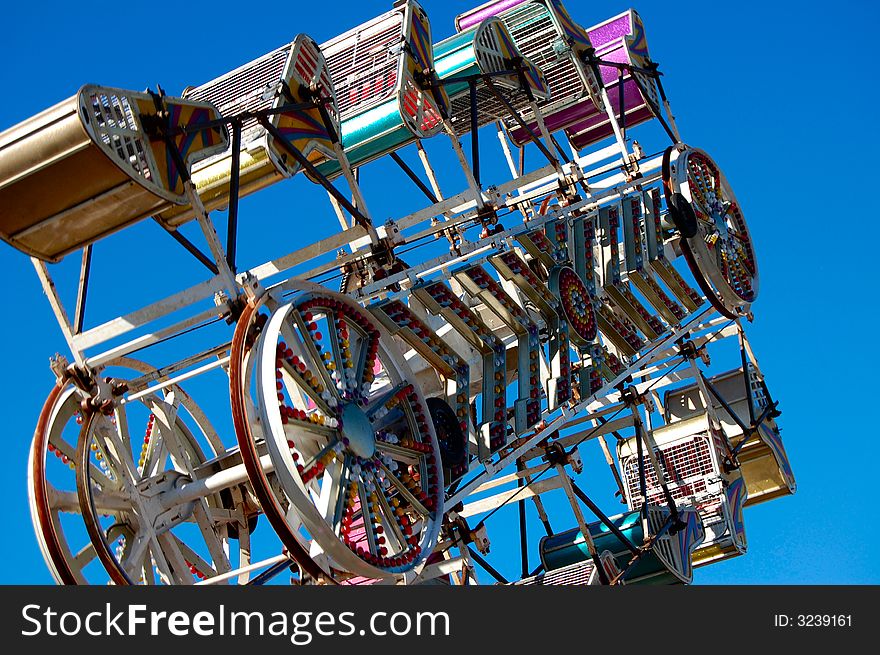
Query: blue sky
x=781 y=94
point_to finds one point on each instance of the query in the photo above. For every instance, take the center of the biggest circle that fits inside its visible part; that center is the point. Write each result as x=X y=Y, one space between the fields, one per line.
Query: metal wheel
x=252 y=446
x=52 y=490
x=148 y=520
x=348 y=435
x=715 y=238
x=451 y=438
x=576 y=302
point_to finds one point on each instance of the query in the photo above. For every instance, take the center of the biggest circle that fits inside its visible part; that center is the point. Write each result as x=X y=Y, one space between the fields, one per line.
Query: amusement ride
x=393 y=386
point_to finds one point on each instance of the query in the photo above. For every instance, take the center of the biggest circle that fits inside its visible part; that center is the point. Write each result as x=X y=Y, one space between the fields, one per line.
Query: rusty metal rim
x=41 y=497
x=249 y=455
x=87 y=508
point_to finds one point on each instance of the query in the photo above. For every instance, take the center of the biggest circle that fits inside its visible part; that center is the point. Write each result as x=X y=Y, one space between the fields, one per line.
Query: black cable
x=179 y=334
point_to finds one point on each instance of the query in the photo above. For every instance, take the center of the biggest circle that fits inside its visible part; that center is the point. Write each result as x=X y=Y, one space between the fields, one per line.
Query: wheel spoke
x=136 y=554
x=366 y=343
x=70 y=452
x=166 y=424
x=195 y=560
x=308 y=347
x=169 y=559
x=339 y=334
x=302 y=430
x=404 y=491
x=292 y=374
x=367 y=518
x=390 y=520
x=400 y=453
x=332 y=499
x=85 y=555
x=322 y=454
x=213 y=541
x=119 y=461
x=376 y=404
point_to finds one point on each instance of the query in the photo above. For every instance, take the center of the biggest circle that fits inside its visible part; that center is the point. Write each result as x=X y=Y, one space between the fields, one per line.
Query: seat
x=691 y=455
x=376 y=68
x=544 y=31
x=86 y=168
x=485 y=48
x=579 y=573
x=668 y=561
x=764 y=463
x=253 y=87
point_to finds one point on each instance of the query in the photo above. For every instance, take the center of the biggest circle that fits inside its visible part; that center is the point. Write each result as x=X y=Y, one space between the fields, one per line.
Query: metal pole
x=610 y=461
x=193 y=250
x=415 y=178
x=523 y=530
x=475 y=139
x=519 y=119
x=641 y=433
x=83 y=289
x=746 y=381
x=489 y=568
x=234 y=183
x=316 y=174
x=607 y=522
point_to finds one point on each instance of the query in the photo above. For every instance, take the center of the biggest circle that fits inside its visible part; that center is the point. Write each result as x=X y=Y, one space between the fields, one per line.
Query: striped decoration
x=572 y=30
x=189 y=144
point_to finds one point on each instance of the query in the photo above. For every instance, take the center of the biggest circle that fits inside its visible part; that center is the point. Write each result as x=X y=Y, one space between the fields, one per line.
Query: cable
x=179 y=334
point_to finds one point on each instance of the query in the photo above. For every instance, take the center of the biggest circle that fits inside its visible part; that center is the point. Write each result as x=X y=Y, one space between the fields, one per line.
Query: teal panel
x=455 y=57
x=569 y=547
x=370 y=135
x=381 y=130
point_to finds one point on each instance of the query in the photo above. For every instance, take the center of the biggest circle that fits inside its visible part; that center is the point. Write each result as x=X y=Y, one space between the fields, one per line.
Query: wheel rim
x=721 y=254
x=350 y=437
x=53 y=454
x=49 y=444
x=248 y=432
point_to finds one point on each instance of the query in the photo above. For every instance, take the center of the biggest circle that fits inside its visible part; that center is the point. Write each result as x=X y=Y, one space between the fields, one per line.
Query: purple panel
x=614 y=29
x=585 y=125
x=598 y=127
x=619 y=56
x=582 y=121
x=608 y=39
x=561 y=119
x=481 y=13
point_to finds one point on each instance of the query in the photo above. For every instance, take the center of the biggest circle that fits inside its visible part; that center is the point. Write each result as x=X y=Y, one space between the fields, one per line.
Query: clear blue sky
x=781 y=93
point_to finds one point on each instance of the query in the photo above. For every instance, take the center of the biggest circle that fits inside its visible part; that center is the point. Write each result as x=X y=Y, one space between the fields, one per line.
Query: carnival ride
x=380 y=425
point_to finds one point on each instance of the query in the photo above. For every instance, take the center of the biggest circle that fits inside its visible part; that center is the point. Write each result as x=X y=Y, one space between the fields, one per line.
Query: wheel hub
x=357 y=431
x=718 y=209
x=158 y=503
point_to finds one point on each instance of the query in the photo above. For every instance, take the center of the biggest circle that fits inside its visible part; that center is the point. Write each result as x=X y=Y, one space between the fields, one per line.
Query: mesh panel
x=687 y=465
x=574 y=574
x=116 y=126
x=243 y=89
x=489 y=108
x=363 y=66
x=534 y=33
x=487 y=45
x=663 y=546
x=759 y=397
